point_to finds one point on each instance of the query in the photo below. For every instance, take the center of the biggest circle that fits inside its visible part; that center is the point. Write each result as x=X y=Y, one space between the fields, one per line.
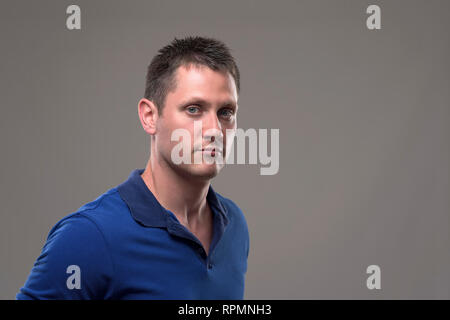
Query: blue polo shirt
x=125 y=245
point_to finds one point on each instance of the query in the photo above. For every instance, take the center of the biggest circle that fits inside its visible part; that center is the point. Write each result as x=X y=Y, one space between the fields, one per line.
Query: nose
x=212 y=127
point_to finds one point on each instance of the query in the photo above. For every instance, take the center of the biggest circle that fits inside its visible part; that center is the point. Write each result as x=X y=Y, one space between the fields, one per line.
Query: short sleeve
x=75 y=263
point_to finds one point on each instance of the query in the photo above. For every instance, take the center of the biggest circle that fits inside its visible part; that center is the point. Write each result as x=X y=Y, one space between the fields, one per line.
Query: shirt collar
x=146 y=209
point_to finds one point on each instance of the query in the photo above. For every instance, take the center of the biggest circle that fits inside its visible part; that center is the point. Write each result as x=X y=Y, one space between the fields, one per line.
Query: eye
x=192 y=109
x=226 y=113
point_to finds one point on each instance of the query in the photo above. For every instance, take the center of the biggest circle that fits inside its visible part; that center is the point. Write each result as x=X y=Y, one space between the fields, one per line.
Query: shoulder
x=93 y=223
x=75 y=249
x=83 y=231
x=76 y=242
x=104 y=213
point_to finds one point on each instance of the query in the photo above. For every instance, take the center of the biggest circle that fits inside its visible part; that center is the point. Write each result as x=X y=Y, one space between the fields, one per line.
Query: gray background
x=364 y=133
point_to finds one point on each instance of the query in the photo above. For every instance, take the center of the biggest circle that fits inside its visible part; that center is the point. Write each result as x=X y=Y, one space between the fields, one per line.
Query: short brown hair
x=198 y=51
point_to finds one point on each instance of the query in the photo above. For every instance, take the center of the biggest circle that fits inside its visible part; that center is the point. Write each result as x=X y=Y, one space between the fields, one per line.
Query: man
x=164 y=233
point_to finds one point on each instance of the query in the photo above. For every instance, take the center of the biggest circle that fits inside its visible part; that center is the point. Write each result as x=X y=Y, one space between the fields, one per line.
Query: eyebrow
x=200 y=101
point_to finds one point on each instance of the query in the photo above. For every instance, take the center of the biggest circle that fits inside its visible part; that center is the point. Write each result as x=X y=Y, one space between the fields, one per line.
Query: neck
x=184 y=197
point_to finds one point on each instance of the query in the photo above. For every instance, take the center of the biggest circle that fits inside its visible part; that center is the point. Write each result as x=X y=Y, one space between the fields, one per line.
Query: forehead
x=203 y=81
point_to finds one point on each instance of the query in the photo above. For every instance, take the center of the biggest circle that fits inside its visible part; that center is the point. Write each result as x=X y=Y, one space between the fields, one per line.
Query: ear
x=148 y=114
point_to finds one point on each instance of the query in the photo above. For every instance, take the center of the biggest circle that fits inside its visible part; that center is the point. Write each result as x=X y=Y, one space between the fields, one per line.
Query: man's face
x=208 y=98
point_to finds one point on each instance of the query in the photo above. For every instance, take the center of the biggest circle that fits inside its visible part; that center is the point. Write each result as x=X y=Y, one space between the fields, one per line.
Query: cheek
x=163 y=131
x=169 y=123
x=164 y=136
x=182 y=132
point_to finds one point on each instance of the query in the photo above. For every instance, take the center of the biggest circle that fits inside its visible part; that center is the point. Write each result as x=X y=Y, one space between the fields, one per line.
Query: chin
x=199 y=171
x=204 y=171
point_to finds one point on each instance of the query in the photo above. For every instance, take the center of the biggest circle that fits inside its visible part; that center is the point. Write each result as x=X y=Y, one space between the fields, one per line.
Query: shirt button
x=210 y=265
